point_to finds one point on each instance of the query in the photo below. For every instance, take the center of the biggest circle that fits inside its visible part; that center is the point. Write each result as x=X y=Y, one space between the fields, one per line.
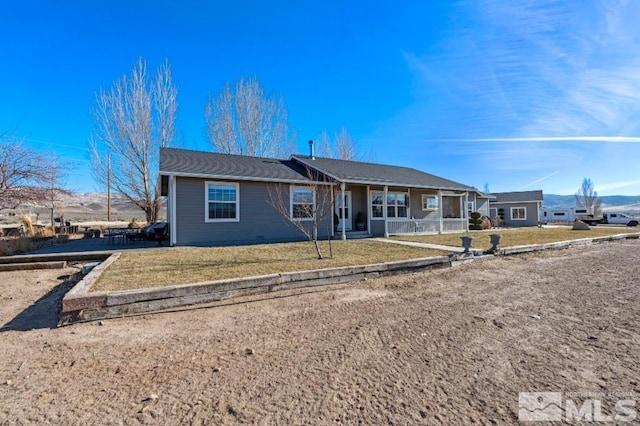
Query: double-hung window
x=397 y=204
x=222 y=202
x=377 y=204
x=518 y=213
x=302 y=202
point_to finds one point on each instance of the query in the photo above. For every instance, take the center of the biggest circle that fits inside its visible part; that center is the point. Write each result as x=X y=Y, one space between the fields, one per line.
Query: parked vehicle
x=154 y=231
x=620 y=218
x=569 y=214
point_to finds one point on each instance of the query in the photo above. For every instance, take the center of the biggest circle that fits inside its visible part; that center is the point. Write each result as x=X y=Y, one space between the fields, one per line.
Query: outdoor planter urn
x=495 y=241
x=466 y=243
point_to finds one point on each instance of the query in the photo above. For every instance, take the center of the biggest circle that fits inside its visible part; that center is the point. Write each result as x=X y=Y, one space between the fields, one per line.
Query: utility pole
x=109 y=188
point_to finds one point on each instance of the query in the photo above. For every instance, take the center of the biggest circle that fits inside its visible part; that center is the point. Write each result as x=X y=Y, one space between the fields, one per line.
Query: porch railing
x=454 y=225
x=425 y=226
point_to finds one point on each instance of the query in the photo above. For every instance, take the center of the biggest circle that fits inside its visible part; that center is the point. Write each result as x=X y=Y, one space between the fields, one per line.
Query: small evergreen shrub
x=475 y=221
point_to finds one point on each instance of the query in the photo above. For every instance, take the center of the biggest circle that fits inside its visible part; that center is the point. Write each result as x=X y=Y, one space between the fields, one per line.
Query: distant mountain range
x=609 y=202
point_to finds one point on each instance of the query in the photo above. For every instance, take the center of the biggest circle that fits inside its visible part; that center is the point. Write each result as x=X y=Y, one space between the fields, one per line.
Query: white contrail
x=614 y=139
x=540 y=180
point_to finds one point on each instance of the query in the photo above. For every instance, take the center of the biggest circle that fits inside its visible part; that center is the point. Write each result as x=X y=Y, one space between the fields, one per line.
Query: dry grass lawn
x=155 y=268
x=519 y=236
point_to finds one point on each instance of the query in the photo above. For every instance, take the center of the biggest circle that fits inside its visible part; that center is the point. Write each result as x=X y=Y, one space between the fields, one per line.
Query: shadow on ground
x=45 y=312
x=96 y=244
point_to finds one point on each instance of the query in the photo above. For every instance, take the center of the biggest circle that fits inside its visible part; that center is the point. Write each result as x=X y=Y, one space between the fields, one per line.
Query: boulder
x=579 y=225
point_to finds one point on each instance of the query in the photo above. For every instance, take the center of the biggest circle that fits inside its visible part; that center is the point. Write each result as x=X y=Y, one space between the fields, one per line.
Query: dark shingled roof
x=227 y=166
x=380 y=174
x=517 y=197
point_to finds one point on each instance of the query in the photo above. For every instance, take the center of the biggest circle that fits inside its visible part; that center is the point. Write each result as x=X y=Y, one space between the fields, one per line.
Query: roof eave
x=242 y=178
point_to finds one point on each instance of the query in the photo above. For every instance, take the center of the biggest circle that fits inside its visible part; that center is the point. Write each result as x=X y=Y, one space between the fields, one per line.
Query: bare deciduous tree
x=587 y=197
x=342 y=146
x=24 y=173
x=247 y=122
x=307 y=208
x=132 y=120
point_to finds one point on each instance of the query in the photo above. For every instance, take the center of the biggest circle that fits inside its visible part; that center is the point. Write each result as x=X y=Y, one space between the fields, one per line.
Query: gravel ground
x=449 y=346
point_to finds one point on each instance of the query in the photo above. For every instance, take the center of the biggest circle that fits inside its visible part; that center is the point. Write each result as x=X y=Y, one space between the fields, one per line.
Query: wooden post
x=441 y=210
x=109 y=188
x=344 y=233
x=384 y=212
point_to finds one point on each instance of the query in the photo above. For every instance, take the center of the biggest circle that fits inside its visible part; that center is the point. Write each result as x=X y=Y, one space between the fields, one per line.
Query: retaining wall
x=80 y=304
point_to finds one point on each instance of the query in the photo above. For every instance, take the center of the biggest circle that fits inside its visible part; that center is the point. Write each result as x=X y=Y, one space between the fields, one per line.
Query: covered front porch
x=380 y=210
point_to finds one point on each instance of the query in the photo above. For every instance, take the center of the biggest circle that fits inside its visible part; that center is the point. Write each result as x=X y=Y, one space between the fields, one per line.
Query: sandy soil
x=442 y=347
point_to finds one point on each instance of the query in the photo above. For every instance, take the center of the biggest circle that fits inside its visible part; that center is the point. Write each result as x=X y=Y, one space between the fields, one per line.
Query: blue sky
x=533 y=94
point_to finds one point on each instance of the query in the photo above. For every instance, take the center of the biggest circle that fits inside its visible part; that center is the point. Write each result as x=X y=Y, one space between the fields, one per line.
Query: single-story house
x=517 y=209
x=222 y=199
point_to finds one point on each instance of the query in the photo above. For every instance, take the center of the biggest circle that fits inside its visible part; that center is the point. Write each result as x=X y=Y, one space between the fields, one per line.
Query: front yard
x=141 y=269
x=518 y=236
x=155 y=268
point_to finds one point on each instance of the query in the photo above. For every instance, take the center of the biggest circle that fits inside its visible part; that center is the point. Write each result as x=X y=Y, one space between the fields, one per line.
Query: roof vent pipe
x=312 y=153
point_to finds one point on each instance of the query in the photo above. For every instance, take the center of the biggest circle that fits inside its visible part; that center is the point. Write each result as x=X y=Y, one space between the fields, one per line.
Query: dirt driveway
x=442 y=347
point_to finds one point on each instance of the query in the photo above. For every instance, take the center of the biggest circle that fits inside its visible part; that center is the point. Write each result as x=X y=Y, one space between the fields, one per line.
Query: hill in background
x=609 y=202
x=81 y=207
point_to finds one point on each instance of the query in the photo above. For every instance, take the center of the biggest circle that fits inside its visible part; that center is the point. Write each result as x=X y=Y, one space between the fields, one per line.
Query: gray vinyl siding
x=415 y=201
x=377 y=228
x=259 y=221
x=532 y=213
x=482 y=206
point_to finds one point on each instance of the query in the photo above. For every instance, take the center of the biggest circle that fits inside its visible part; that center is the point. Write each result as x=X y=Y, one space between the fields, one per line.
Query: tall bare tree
x=24 y=173
x=245 y=121
x=587 y=197
x=132 y=120
x=342 y=146
x=307 y=209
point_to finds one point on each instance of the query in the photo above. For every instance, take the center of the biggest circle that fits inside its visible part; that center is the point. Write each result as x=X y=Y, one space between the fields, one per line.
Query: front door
x=347 y=211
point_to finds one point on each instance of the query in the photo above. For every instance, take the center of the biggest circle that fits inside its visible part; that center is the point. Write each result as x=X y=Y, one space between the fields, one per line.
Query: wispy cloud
x=606 y=139
x=536 y=67
x=617 y=185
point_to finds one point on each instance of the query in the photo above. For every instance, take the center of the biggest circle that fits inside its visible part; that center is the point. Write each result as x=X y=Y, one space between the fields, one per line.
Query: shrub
x=27 y=224
x=11 y=246
x=475 y=221
x=486 y=223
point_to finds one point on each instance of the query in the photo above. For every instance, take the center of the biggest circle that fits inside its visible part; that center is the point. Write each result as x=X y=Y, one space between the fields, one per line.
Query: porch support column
x=368 y=209
x=342 y=207
x=466 y=209
x=333 y=214
x=384 y=212
x=171 y=214
x=440 y=211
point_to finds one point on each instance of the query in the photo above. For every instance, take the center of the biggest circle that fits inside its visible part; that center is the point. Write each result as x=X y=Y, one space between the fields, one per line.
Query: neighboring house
x=220 y=199
x=517 y=208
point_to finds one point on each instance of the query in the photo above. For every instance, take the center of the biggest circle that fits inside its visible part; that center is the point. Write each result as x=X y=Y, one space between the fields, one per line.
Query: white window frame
x=524 y=209
x=425 y=202
x=373 y=193
x=406 y=205
x=472 y=204
x=292 y=190
x=207 y=219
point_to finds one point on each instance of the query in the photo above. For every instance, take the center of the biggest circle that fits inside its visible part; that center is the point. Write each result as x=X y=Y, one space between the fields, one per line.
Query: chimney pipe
x=312 y=152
